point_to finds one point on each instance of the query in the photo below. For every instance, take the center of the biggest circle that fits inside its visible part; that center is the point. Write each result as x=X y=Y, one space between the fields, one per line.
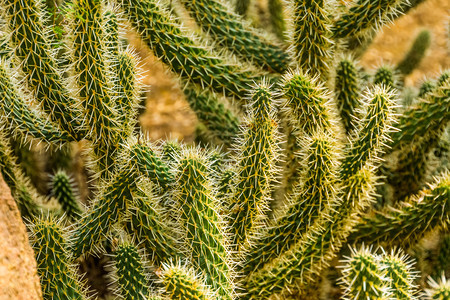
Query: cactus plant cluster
x=306 y=152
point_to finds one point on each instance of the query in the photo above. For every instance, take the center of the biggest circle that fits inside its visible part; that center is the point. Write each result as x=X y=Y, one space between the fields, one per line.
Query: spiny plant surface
x=301 y=152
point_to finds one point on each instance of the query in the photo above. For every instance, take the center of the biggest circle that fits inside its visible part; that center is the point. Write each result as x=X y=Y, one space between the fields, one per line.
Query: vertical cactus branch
x=347 y=92
x=385 y=75
x=205 y=236
x=109 y=205
x=277 y=18
x=398 y=269
x=363 y=277
x=32 y=48
x=181 y=52
x=242 y=7
x=312 y=36
x=363 y=17
x=62 y=190
x=58 y=278
x=182 y=284
x=130 y=277
x=415 y=54
x=92 y=79
x=258 y=152
x=229 y=31
x=307 y=203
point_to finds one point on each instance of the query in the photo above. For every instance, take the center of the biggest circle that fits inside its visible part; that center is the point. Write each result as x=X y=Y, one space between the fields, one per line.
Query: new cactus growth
x=286 y=174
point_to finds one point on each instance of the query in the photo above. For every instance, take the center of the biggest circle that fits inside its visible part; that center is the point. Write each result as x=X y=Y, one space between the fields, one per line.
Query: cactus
x=439 y=290
x=62 y=189
x=231 y=218
x=415 y=54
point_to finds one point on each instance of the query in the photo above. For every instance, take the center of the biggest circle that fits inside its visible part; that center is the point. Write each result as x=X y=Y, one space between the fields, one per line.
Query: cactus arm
x=363 y=17
x=22 y=120
x=229 y=31
x=205 y=236
x=193 y=63
x=63 y=191
x=415 y=54
x=32 y=48
x=277 y=18
x=130 y=277
x=306 y=204
x=409 y=222
x=439 y=290
x=108 y=207
x=182 y=284
x=58 y=278
x=219 y=120
x=312 y=41
x=255 y=167
x=242 y=7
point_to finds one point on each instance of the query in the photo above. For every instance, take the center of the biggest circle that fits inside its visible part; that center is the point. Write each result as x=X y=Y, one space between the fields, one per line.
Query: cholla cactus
x=287 y=173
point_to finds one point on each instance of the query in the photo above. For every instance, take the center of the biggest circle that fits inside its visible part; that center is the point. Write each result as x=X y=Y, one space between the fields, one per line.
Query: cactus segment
x=148 y=222
x=426 y=87
x=255 y=167
x=148 y=163
x=108 y=207
x=229 y=31
x=364 y=277
x=307 y=103
x=22 y=191
x=111 y=35
x=385 y=75
x=415 y=54
x=182 y=284
x=409 y=222
x=131 y=280
x=277 y=18
x=306 y=204
x=32 y=48
x=439 y=290
x=58 y=278
x=194 y=63
x=23 y=121
x=372 y=132
x=347 y=92
x=398 y=269
x=63 y=191
x=363 y=17
x=300 y=265
x=312 y=41
x=205 y=236
x=219 y=120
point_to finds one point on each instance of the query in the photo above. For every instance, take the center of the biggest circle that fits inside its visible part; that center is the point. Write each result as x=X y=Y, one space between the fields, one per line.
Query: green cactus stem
x=439 y=290
x=182 y=284
x=415 y=54
x=59 y=279
x=385 y=75
x=242 y=7
x=242 y=40
x=276 y=10
x=62 y=190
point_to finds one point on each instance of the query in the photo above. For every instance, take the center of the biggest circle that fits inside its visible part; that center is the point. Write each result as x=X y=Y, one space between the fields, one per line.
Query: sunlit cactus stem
x=182 y=284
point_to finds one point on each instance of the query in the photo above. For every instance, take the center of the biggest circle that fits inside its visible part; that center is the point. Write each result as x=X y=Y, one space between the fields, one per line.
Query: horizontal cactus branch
x=59 y=279
x=62 y=190
x=255 y=169
x=409 y=222
x=220 y=121
x=347 y=92
x=182 y=284
x=181 y=52
x=130 y=277
x=205 y=235
x=306 y=204
x=39 y=66
x=364 y=16
x=229 y=31
x=312 y=36
x=26 y=123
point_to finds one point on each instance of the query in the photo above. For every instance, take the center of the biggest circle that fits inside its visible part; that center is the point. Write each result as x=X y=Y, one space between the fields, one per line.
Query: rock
x=18 y=273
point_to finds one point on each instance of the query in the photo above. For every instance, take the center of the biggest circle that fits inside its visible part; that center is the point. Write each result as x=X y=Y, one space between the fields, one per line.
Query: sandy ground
x=168 y=114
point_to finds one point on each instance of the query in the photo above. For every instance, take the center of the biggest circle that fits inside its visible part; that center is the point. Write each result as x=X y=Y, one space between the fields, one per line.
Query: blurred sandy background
x=168 y=114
